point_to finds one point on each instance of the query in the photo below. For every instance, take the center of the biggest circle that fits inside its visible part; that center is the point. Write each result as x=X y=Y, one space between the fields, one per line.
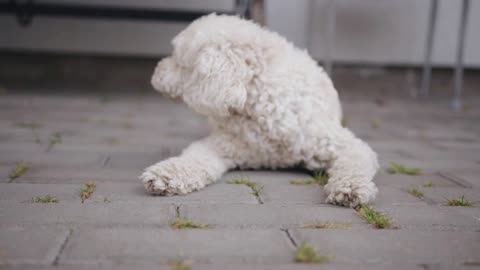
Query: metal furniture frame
x=26 y=10
x=456 y=103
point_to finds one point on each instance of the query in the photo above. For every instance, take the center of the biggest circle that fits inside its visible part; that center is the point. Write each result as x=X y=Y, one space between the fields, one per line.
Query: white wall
x=102 y=36
x=378 y=31
x=368 y=31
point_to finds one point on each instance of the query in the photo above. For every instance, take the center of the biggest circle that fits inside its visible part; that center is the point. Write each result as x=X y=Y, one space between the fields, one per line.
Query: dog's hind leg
x=199 y=165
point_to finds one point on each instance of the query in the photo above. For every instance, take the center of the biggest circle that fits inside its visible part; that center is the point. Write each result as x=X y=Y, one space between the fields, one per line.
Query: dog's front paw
x=166 y=178
x=350 y=194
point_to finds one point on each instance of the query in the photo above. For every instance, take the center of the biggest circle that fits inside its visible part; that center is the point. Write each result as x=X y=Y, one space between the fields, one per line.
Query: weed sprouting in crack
x=305 y=253
x=462 y=201
x=319 y=178
x=256 y=190
x=87 y=190
x=45 y=199
x=377 y=219
x=55 y=138
x=181 y=223
x=401 y=169
x=19 y=170
x=415 y=192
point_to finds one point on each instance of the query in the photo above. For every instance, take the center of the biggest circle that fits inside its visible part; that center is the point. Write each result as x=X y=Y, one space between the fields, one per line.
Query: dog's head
x=213 y=63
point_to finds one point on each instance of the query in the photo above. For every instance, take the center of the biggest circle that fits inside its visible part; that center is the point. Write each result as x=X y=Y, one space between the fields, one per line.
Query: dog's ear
x=218 y=81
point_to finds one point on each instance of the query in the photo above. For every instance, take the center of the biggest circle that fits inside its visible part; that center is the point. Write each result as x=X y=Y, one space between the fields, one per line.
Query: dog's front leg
x=199 y=165
x=351 y=171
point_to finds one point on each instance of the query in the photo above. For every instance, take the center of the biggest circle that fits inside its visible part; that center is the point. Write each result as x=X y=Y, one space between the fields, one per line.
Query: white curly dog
x=269 y=105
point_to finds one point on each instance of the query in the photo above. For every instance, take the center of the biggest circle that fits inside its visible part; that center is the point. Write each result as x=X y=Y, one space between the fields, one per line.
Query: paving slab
x=110 y=138
x=38 y=245
x=388 y=247
x=5 y=172
x=54 y=159
x=270 y=215
x=409 y=181
x=472 y=178
x=135 y=160
x=430 y=218
x=18 y=192
x=441 y=195
x=45 y=174
x=272 y=193
x=256 y=266
x=215 y=193
x=470 y=212
x=94 y=214
x=123 y=245
x=432 y=165
x=262 y=177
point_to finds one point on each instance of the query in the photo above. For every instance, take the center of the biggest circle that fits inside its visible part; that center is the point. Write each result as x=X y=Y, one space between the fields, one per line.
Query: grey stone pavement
x=110 y=139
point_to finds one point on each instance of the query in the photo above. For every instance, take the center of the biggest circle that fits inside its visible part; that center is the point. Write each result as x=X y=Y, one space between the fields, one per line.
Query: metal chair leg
x=458 y=79
x=242 y=8
x=427 y=64
x=330 y=44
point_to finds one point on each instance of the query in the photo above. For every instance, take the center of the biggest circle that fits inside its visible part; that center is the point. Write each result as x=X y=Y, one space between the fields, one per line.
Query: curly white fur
x=269 y=105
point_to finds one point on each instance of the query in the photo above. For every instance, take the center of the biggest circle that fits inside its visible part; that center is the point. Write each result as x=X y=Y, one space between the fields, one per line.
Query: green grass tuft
x=29 y=125
x=375 y=124
x=45 y=199
x=415 y=192
x=428 y=184
x=305 y=253
x=180 y=264
x=245 y=182
x=306 y=182
x=18 y=171
x=319 y=178
x=87 y=190
x=379 y=220
x=460 y=202
x=187 y=224
x=327 y=225
x=256 y=192
x=400 y=169
x=253 y=186
x=55 y=139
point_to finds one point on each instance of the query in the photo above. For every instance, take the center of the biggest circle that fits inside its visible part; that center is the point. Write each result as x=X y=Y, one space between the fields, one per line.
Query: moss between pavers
x=305 y=253
x=19 y=170
x=180 y=264
x=415 y=192
x=377 y=219
x=429 y=184
x=45 y=199
x=187 y=224
x=55 y=138
x=460 y=202
x=319 y=178
x=327 y=225
x=400 y=169
x=253 y=186
x=87 y=190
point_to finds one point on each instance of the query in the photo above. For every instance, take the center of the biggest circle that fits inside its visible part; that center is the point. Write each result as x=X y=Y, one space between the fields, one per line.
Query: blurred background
x=56 y=38
x=381 y=32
